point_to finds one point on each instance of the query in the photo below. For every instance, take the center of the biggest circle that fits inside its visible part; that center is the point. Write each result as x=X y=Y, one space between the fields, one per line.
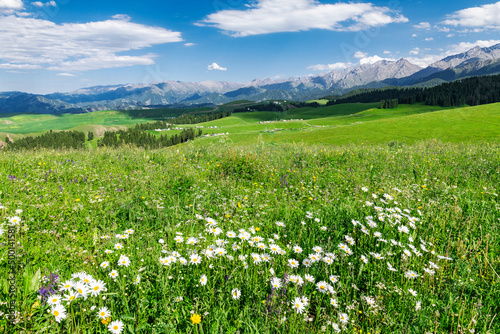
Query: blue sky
x=63 y=45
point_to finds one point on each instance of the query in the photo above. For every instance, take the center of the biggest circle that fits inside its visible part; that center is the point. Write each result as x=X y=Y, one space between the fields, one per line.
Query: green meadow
x=341 y=219
x=338 y=124
x=362 y=124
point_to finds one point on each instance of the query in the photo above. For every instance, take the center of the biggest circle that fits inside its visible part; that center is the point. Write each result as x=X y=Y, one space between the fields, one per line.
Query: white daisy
x=59 y=312
x=411 y=274
x=322 y=287
x=195 y=259
x=104 y=313
x=54 y=299
x=97 y=287
x=309 y=278
x=124 y=261
x=344 y=318
x=115 y=327
x=276 y=282
x=235 y=293
x=298 y=305
x=293 y=263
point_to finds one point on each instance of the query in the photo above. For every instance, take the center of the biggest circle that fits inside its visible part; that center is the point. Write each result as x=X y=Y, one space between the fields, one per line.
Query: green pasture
x=370 y=215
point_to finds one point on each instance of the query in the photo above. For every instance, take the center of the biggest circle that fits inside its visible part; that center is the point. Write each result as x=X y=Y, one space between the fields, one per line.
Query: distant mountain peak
x=474 y=54
x=401 y=72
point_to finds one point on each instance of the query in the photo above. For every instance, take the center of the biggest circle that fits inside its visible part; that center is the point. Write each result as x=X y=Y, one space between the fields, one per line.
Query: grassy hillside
x=25 y=124
x=406 y=123
x=337 y=124
x=322 y=102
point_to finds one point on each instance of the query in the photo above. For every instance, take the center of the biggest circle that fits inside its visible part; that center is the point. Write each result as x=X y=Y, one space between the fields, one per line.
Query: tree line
x=471 y=91
x=183 y=119
x=271 y=106
x=76 y=139
x=389 y=104
x=146 y=140
x=50 y=140
x=275 y=107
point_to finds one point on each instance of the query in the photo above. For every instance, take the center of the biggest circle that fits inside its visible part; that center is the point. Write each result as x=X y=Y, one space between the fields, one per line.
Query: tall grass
x=434 y=204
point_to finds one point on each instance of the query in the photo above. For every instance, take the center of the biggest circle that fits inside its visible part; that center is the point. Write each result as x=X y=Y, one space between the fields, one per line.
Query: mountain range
x=475 y=62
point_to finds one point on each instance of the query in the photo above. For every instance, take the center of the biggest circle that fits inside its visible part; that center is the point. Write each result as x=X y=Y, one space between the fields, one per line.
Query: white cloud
x=423 y=25
x=450 y=35
x=442 y=29
x=414 y=35
x=373 y=60
x=272 y=16
x=189 y=44
x=330 y=67
x=466 y=46
x=8 y=66
x=66 y=74
x=387 y=52
x=78 y=46
x=428 y=39
x=10 y=6
x=484 y=17
x=415 y=51
x=426 y=60
x=215 y=66
x=121 y=17
x=360 y=54
x=41 y=4
x=103 y=60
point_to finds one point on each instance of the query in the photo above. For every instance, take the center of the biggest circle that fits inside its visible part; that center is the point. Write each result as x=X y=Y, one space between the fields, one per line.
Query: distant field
x=338 y=124
x=408 y=123
x=321 y=102
x=26 y=124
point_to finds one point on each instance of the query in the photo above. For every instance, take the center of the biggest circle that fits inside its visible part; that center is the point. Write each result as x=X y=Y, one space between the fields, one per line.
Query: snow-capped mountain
x=473 y=55
x=476 y=61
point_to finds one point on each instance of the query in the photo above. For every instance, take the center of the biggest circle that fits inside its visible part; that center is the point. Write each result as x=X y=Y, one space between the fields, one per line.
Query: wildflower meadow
x=252 y=239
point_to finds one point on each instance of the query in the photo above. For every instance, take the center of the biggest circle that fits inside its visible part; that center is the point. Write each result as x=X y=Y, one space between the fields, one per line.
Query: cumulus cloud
x=360 y=54
x=428 y=39
x=272 y=16
x=121 y=17
x=215 y=66
x=423 y=25
x=103 y=60
x=8 y=66
x=373 y=59
x=425 y=60
x=78 y=46
x=415 y=51
x=484 y=17
x=466 y=46
x=66 y=74
x=189 y=44
x=10 y=6
x=47 y=4
x=330 y=67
